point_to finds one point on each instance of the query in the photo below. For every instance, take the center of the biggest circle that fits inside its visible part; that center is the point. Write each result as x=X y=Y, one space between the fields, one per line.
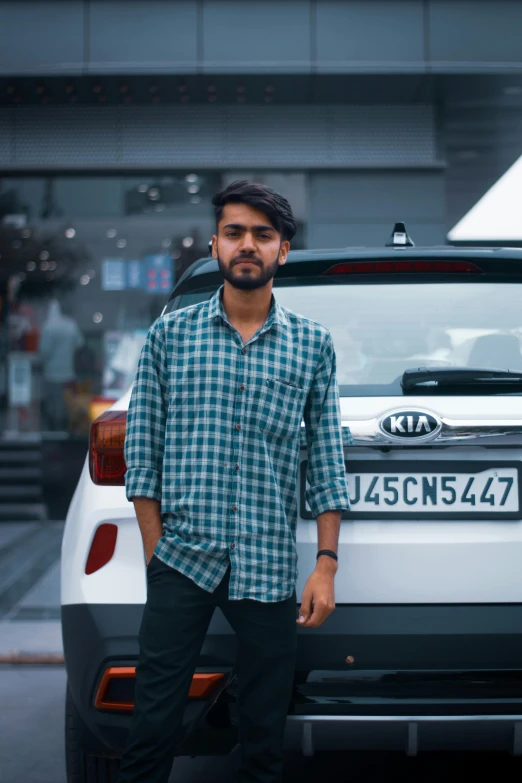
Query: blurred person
x=270 y=368
x=60 y=338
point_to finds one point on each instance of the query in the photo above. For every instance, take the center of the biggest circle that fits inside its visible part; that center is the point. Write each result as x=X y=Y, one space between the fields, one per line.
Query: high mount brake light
x=106 y=441
x=387 y=267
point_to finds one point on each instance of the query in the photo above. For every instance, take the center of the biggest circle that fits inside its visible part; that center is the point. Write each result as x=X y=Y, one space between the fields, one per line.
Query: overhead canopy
x=497 y=216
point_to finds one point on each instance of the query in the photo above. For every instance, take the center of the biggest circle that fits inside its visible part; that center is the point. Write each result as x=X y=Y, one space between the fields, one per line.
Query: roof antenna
x=399 y=237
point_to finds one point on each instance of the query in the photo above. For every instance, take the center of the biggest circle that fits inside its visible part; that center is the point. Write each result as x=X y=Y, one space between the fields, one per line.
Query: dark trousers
x=175 y=620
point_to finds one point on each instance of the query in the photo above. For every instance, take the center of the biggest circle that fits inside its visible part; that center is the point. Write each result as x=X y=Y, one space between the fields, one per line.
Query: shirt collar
x=275 y=315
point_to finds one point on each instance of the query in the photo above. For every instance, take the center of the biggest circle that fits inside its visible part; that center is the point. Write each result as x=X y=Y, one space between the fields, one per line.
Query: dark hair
x=275 y=206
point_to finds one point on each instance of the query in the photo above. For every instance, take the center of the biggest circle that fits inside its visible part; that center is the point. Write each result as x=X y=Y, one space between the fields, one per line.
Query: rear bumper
x=422 y=677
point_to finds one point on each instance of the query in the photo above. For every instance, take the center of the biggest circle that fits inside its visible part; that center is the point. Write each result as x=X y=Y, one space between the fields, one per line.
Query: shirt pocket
x=280 y=409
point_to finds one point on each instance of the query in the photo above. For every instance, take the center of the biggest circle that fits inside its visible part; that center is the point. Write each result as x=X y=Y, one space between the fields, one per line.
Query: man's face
x=246 y=234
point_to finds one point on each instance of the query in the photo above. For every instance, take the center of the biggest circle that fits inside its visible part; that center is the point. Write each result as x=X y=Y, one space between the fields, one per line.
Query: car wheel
x=83 y=766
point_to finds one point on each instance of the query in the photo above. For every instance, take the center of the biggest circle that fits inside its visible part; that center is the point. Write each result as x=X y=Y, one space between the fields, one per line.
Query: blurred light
x=166 y=242
x=52 y=264
x=159 y=207
x=184 y=98
x=121 y=242
x=69 y=88
x=85 y=280
x=195 y=199
x=143 y=188
x=40 y=89
x=44 y=255
x=97 y=318
x=97 y=88
x=70 y=233
x=212 y=98
x=193 y=188
x=26 y=233
x=211 y=87
x=269 y=88
x=187 y=241
x=91 y=273
x=111 y=233
x=31 y=266
x=191 y=178
x=240 y=88
x=512 y=90
x=241 y=99
x=16 y=243
x=175 y=254
x=44 y=266
x=22 y=276
x=154 y=194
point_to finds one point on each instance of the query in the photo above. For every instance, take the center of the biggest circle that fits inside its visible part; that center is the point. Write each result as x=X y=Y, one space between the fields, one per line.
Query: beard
x=246 y=278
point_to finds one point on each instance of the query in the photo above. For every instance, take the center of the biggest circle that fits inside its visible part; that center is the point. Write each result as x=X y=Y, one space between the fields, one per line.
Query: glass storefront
x=87 y=263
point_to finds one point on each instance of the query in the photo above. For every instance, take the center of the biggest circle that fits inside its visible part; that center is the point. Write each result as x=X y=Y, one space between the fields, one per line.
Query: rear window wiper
x=414 y=377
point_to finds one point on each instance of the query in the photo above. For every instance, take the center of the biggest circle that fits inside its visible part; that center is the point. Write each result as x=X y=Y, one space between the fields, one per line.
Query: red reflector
x=106 y=441
x=201 y=687
x=102 y=547
x=375 y=267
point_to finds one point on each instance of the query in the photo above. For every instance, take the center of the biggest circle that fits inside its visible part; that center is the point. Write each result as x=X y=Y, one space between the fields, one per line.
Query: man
x=212 y=453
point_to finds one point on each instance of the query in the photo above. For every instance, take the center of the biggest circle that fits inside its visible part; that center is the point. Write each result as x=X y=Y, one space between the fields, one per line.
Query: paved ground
x=30 y=588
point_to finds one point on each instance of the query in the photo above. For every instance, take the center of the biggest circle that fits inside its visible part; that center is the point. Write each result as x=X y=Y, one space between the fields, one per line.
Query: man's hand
x=318 y=599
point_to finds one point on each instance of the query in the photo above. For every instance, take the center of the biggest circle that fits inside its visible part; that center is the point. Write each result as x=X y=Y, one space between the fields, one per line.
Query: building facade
x=119 y=119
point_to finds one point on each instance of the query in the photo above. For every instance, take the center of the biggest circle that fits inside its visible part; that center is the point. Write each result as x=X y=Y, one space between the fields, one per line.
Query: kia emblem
x=410 y=425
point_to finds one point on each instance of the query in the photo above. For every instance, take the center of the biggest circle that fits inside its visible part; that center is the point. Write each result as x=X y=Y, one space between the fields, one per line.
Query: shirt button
x=242 y=387
x=232 y=546
x=236 y=467
x=243 y=350
x=238 y=427
x=234 y=508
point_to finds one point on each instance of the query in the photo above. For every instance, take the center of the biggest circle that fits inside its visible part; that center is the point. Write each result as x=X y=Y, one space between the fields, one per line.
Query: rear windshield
x=380 y=330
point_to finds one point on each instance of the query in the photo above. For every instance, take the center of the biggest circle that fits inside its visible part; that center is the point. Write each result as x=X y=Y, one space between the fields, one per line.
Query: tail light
x=106 y=441
x=116 y=689
x=387 y=267
x=102 y=547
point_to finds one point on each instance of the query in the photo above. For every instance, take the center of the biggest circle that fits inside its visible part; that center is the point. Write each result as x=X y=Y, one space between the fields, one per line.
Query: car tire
x=83 y=766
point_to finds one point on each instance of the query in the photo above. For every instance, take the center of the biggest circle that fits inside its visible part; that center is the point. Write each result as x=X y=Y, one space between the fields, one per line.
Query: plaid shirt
x=214 y=433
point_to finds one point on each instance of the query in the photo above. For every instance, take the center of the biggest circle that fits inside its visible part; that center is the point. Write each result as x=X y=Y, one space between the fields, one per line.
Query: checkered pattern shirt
x=214 y=433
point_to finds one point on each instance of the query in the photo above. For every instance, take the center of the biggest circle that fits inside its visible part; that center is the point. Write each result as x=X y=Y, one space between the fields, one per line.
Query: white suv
x=424 y=648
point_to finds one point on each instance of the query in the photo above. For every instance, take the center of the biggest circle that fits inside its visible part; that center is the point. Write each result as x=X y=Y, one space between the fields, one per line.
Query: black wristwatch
x=327 y=552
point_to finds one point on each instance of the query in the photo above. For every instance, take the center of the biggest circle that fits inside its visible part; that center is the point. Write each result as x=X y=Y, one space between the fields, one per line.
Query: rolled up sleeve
x=326 y=476
x=146 y=419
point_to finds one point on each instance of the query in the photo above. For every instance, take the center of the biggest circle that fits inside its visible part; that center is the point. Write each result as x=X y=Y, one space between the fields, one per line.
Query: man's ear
x=214 y=246
x=283 y=252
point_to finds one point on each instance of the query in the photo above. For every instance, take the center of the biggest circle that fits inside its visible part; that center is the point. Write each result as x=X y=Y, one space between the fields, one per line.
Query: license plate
x=481 y=493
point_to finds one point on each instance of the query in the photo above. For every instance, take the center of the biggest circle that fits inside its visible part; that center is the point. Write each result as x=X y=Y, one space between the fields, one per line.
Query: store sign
x=160 y=278
x=135 y=276
x=113 y=274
